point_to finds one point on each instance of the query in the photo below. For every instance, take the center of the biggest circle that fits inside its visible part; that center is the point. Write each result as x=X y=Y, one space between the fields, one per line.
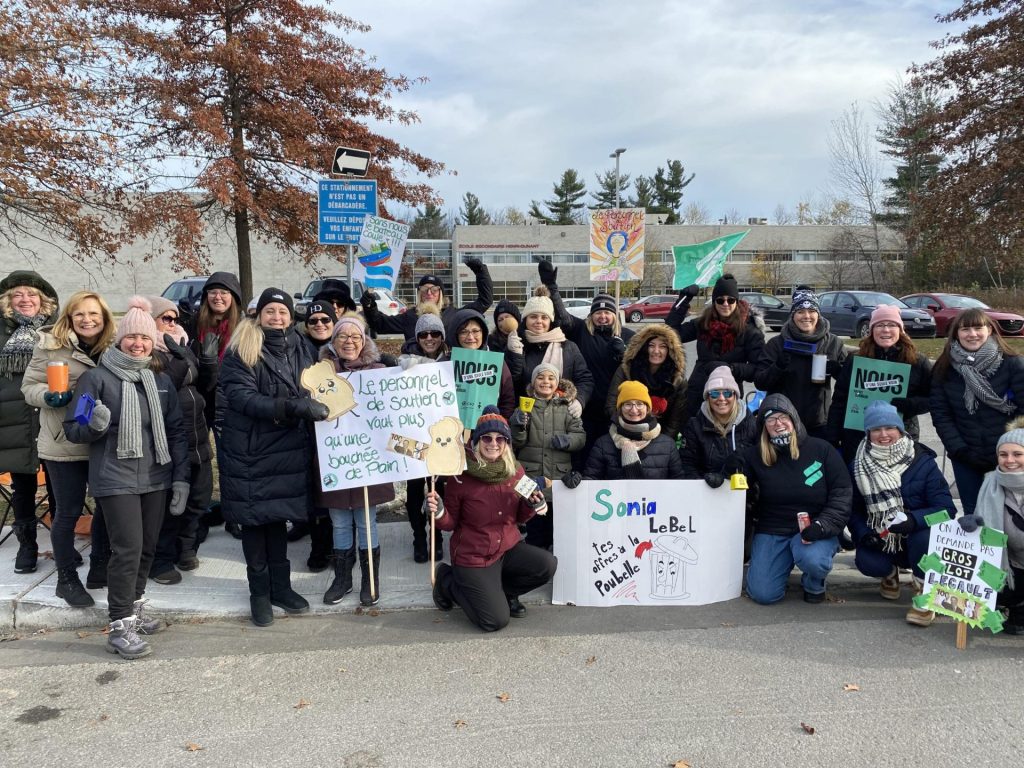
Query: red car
x=945 y=306
x=649 y=308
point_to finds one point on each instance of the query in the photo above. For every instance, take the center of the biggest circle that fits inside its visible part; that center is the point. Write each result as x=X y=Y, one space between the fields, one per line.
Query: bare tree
x=783 y=216
x=695 y=213
x=769 y=270
x=845 y=267
x=732 y=216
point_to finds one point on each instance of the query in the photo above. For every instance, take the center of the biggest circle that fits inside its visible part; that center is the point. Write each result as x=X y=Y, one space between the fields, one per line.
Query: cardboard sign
x=381 y=246
x=617 y=244
x=404 y=425
x=477 y=381
x=647 y=542
x=873 y=380
x=962 y=573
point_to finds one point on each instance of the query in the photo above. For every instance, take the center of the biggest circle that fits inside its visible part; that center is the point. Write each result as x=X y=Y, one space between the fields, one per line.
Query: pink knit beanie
x=137 y=320
x=886 y=313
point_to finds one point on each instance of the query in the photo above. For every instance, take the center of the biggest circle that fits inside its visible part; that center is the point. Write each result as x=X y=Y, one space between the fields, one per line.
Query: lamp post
x=617 y=154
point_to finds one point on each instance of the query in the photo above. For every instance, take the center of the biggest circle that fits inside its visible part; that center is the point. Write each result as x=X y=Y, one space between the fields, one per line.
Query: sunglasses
x=169 y=319
x=714 y=394
x=725 y=300
x=319 y=321
x=431 y=334
x=499 y=439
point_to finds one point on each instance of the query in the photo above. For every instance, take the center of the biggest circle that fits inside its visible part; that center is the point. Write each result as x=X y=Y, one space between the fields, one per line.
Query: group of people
x=131 y=421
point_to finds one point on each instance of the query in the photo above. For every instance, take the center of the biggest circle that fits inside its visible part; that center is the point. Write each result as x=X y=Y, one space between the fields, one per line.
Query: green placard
x=873 y=380
x=477 y=381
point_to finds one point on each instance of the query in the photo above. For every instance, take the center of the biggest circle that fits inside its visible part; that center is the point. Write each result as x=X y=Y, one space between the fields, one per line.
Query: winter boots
x=123 y=639
x=889 y=588
x=28 y=550
x=343 y=560
x=259 y=597
x=442 y=597
x=365 y=596
x=321 y=536
x=97 y=576
x=144 y=625
x=69 y=587
x=916 y=616
x=281 y=593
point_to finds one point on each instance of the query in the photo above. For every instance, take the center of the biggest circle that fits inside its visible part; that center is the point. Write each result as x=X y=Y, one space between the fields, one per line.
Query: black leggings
x=133 y=524
x=265 y=544
x=69 y=479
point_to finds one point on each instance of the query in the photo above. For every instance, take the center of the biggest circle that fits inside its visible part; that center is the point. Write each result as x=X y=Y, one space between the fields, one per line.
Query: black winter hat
x=322 y=308
x=228 y=282
x=506 y=307
x=274 y=296
x=431 y=280
x=726 y=286
x=603 y=301
x=336 y=291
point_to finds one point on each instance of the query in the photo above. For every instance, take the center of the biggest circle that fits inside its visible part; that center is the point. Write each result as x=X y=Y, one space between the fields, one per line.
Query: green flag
x=702 y=263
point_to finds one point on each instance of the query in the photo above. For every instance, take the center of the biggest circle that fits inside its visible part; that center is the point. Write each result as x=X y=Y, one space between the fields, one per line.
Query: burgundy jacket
x=485 y=518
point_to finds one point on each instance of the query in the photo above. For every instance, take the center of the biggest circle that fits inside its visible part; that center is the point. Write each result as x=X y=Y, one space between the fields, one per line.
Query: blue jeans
x=968 y=483
x=342 y=519
x=878 y=565
x=772 y=557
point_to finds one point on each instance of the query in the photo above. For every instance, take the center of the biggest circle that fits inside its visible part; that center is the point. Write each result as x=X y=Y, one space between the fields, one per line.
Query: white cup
x=818 y=365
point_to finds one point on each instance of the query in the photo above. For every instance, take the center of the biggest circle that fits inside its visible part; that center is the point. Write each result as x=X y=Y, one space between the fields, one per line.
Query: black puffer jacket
x=265 y=458
x=182 y=367
x=817 y=483
x=743 y=359
x=976 y=433
x=706 y=450
x=659 y=460
x=574 y=368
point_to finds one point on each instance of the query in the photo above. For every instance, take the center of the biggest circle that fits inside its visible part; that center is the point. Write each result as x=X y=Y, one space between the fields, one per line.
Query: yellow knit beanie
x=633 y=390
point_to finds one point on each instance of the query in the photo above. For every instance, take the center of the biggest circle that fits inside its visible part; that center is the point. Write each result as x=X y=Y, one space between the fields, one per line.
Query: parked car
x=578 y=307
x=945 y=306
x=849 y=313
x=386 y=302
x=190 y=288
x=649 y=308
x=774 y=310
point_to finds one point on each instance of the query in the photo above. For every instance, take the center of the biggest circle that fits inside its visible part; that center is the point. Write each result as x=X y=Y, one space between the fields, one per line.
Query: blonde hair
x=64 y=327
x=769 y=453
x=507 y=457
x=247 y=341
x=737 y=403
x=47 y=305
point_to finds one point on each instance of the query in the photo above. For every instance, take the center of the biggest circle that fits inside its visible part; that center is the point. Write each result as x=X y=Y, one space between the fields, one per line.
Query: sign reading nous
x=342 y=204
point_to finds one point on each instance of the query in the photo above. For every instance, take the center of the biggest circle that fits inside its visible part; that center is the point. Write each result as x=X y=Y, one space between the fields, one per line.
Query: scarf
x=722 y=333
x=781 y=440
x=131 y=370
x=490 y=472
x=629 y=446
x=976 y=368
x=177 y=334
x=724 y=429
x=878 y=472
x=554 y=338
x=660 y=383
x=223 y=331
x=17 y=352
x=790 y=331
x=995 y=512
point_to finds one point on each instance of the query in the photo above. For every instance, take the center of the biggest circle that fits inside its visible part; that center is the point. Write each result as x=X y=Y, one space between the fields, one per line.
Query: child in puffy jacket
x=544 y=437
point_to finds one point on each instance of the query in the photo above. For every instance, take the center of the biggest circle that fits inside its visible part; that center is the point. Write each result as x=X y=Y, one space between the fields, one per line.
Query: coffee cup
x=57 y=376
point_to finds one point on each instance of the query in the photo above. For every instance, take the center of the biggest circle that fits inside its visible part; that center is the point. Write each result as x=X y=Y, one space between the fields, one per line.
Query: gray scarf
x=992 y=506
x=878 y=472
x=976 y=368
x=17 y=352
x=131 y=370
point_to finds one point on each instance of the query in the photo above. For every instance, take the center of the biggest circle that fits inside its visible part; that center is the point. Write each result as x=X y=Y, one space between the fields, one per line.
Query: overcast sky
x=741 y=92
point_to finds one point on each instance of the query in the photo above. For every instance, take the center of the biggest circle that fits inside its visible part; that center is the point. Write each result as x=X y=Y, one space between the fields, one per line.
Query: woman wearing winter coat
x=544 y=439
x=264 y=451
x=887 y=340
x=468 y=330
x=803 y=503
x=178 y=542
x=720 y=433
x=491 y=566
x=788 y=371
x=633 y=447
x=655 y=358
x=602 y=341
x=83 y=332
x=429 y=290
x=27 y=302
x=351 y=349
x=977 y=386
x=138 y=458
x=728 y=332
x=896 y=484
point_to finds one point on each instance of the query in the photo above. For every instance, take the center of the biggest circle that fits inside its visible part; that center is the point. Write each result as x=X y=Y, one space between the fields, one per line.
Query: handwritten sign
x=477 y=381
x=630 y=542
x=381 y=246
x=404 y=425
x=873 y=380
x=962 y=573
x=617 y=244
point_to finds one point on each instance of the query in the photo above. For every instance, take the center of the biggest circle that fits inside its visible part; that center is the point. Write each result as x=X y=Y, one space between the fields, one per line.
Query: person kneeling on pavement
x=491 y=565
x=896 y=484
x=803 y=503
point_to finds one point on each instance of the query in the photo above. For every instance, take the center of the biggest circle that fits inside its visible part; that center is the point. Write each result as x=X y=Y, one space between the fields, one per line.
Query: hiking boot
x=69 y=587
x=365 y=596
x=321 y=545
x=916 y=616
x=814 y=597
x=124 y=640
x=97 y=576
x=442 y=599
x=515 y=609
x=28 y=551
x=188 y=560
x=259 y=597
x=889 y=588
x=167 y=577
x=343 y=561
x=419 y=548
x=144 y=625
x=281 y=593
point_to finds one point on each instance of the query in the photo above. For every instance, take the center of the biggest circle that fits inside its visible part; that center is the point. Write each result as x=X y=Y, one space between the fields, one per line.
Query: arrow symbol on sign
x=354 y=161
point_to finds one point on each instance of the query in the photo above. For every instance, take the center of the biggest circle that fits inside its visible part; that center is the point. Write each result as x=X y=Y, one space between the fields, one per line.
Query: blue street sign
x=342 y=204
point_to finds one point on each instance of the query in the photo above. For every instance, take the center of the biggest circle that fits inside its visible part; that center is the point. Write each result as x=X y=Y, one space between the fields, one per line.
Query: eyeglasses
x=470 y=332
x=169 y=319
x=777 y=419
x=431 y=334
x=348 y=339
x=319 y=321
x=634 y=405
x=888 y=326
x=430 y=289
x=714 y=394
x=725 y=300
x=499 y=439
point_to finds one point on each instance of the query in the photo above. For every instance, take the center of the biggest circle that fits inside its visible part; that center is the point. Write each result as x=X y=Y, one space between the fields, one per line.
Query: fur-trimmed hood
x=675 y=349
x=566 y=390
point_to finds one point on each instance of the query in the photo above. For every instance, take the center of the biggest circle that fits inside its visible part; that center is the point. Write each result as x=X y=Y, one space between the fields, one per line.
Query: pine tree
x=605 y=195
x=472 y=213
x=565 y=207
x=430 y=224
x=644 y=189
x=668 y=189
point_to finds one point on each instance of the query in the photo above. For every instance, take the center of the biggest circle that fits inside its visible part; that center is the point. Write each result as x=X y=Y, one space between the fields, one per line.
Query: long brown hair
x=969 y=318
x=908 y=352
x=737 y=320
x=206 y=320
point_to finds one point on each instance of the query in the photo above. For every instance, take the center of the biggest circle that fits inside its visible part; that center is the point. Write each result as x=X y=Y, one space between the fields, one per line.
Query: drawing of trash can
x=669 y=557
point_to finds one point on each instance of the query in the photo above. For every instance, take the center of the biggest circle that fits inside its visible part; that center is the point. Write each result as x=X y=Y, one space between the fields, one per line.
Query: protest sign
x=647 y=542
x=381 y=245
x=477 y=381
x=404 y=425
x=872 y=380
x=617 y=244
x=702 y=263
x=963 y=573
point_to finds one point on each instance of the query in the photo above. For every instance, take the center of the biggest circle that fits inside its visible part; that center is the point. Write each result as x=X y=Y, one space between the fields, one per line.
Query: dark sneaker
x=814 y=597
x=70 y=589
x=188 y=561
x=515 y=609
x=167 y=577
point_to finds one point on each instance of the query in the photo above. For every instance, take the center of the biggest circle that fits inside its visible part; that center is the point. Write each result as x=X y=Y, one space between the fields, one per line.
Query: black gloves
x=814 y=532
x=734 y=465
x=965 y=456
x=560 y=442
x=306 y=408
x=782 y=361
x=616 y=348
x=832 y=368
x=474 y=265
x=872 y=541
x=907 y=526
x=970 y=523
x=369 y=301
x=519 y=418
x=548 y=273
x=905 y=406
x=689 y=291
x=57 y=399
x=714 y=479
x=572 y=479
x=210 y=347
x=174 y=348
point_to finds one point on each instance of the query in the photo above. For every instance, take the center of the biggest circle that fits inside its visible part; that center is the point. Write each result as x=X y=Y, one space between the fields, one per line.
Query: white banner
x=395 y=425
x=647 y=542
